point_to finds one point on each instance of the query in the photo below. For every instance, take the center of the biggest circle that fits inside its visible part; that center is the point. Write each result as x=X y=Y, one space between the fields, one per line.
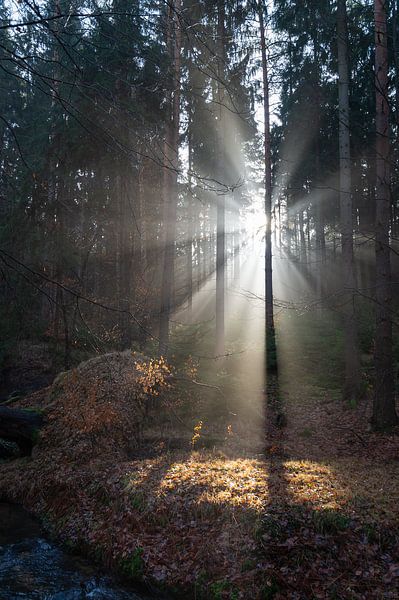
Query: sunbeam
x=199 y=299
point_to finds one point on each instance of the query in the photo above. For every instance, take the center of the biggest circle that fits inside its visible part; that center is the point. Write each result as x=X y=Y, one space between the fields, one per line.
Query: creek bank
x=33 y=567
x=298 y=521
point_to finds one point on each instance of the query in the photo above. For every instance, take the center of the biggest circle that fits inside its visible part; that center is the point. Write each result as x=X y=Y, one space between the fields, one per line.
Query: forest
x=199 y=299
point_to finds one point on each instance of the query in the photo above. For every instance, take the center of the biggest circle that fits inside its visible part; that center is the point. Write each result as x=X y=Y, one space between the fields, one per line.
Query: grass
x=133 y=566
x=138 y=501
x=330 y=521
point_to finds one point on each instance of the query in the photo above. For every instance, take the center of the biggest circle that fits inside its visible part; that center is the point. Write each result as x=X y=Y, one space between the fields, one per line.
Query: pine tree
x=384 y=413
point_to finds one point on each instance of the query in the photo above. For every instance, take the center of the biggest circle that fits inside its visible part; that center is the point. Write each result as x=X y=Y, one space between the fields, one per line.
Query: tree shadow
x=311 y=549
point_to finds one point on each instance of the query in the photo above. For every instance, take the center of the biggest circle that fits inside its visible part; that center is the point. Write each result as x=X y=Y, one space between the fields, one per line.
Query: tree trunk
x=271 y=362
x=352 y=363
x=221 y=199
x=170 y=174
x=384 y=414
x=190 y=218
x=395 y=149
x=318 y=211
x=395 y=42
x=303 y=256
x=236 y=251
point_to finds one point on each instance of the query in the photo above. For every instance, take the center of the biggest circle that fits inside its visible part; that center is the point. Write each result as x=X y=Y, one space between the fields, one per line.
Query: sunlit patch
x=244 y=484
x=314 y=484
x=235 y=483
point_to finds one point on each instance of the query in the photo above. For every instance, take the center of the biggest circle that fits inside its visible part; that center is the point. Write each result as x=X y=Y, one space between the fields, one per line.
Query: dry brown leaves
x=314 y=518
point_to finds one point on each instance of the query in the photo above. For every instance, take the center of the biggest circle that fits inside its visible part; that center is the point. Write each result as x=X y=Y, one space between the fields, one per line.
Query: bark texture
x=384 y=414
x=171 y=160
x=352 y=364
x=221 y=198
x=271 y=362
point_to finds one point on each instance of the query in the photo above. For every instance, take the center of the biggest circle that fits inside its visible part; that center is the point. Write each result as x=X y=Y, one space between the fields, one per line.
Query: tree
x=384 y=413
x=221 y=198
x=271 y=363
x=352 y=363
x=171 y=154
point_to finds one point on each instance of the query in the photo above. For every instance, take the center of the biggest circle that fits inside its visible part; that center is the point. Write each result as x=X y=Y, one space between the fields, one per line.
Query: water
x=32 y=567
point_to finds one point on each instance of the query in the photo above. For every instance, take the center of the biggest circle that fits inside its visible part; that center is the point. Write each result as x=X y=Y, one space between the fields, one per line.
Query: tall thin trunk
x=55 y=184
x=384 y=414
x=352 y=363
x=296 y=237
x=275 y=226
x=303 y=257
x=190 y=219
x=395 y=42
x=271 y=363
x=189 y=270
x=143 y=224
x=221 y=198
x=236 y=251
x=170 y=173
x=198 y=256
x=318 y=212
x=395 y=149
x=308 y=216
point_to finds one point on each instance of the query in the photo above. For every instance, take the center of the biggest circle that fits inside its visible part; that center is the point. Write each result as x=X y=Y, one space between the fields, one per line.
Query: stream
x=35 y=568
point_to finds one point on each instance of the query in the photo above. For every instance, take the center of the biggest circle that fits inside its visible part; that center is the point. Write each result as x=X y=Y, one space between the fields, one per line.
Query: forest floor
x=314 y=515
